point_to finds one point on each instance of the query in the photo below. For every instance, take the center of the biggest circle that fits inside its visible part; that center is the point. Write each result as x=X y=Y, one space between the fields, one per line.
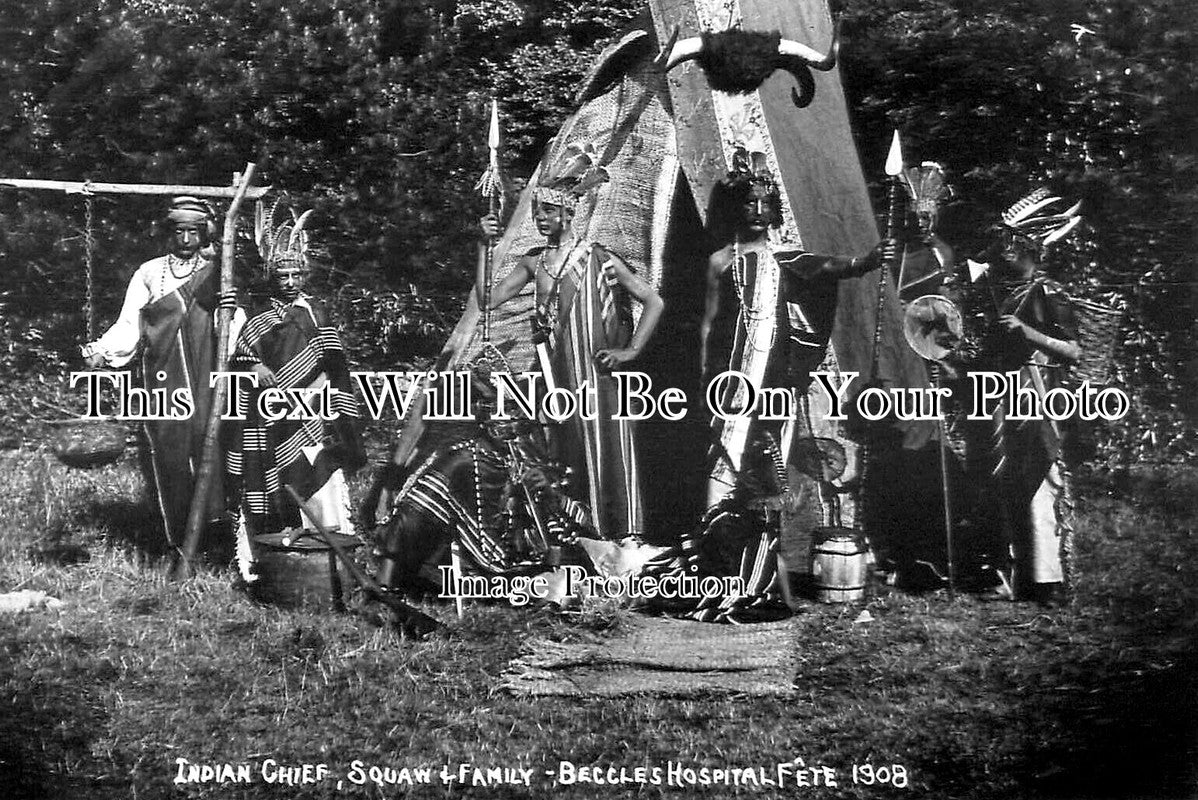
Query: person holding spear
x=583 y=328
x=768 y=316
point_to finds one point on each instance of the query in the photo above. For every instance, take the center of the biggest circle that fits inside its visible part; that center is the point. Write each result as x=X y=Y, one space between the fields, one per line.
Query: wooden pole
x=88 y=187
x=211 y=452
x=945 y=490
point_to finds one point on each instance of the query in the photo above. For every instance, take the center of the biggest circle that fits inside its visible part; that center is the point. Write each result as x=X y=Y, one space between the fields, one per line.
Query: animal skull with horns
x=738 y=62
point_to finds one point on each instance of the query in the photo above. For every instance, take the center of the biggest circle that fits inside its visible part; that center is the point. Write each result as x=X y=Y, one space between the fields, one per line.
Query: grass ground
x=971 y=700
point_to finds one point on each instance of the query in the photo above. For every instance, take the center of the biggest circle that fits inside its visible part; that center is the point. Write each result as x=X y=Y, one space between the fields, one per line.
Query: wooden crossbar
x=90 y=187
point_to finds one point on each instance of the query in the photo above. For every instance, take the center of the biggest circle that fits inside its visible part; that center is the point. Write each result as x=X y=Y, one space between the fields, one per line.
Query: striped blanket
x=298 y=343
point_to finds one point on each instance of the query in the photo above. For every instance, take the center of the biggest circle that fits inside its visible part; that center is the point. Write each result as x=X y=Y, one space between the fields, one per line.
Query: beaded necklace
x=175 y=265
x=749 y=313
x=549 y=308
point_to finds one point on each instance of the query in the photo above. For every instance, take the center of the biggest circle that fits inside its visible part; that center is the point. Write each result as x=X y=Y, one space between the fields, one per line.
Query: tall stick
x=211 y=452
x=894 y=169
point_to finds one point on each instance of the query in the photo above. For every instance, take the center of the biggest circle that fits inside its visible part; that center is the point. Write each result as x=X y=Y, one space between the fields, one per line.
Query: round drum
x=839 y=565
x=297 y=569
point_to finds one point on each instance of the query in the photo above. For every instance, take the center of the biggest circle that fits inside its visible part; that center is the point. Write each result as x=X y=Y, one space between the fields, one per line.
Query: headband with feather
x=576 y=175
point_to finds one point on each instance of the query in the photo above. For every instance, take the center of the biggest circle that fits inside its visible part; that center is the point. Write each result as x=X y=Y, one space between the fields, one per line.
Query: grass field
x=967 y=699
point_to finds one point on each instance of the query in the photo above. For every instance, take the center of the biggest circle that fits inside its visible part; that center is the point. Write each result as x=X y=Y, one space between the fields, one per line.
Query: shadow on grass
x=1132 y=734
x=128 y=524
x=40 y=756
x=136 y=526
x=1127 y=711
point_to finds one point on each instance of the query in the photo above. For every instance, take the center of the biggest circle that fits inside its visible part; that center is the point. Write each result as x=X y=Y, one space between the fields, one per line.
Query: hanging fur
x=738 y=61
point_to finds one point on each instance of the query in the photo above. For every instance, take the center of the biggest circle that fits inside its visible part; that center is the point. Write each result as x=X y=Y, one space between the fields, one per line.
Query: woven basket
x=1098 y=328
x=88 y=443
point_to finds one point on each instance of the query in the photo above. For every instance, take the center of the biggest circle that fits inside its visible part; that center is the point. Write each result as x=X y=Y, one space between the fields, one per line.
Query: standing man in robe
x=168 y=314
x=289 y=342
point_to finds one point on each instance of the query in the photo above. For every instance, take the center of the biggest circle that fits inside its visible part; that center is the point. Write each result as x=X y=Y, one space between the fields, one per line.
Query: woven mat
x=660 y=656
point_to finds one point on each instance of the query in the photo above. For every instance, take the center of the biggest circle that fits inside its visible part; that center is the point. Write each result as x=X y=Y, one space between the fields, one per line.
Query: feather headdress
x=1033 y=218
x=280 y=235
x=928 y=188
x=576 y=175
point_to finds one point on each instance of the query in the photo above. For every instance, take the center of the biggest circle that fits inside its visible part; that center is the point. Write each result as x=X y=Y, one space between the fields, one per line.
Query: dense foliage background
x=374 y=112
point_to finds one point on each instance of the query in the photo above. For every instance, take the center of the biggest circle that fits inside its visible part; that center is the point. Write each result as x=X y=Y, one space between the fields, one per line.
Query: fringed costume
x=299 y=344
x=1036 y=338
x=491 y=488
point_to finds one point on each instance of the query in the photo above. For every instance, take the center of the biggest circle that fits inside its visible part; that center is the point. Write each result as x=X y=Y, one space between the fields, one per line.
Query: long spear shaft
x=945 y=491
x=894 y=168
x=492 y=188
x=211 y=453
x=488 y=276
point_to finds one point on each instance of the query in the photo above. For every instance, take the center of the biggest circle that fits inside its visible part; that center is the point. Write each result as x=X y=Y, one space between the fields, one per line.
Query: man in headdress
x=289 y=342
x=583 y=325
x=769 y=311
x=768 y=316
x=1036 y=335
x=168 y=313
x=927 y=260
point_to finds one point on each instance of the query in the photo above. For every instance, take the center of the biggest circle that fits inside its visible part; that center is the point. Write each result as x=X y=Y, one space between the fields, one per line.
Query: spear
x=894 y=169
x=491 y=187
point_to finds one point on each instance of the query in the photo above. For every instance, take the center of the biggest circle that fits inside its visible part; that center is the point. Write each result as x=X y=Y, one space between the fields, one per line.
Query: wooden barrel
x=839 y=565
x=297 y=569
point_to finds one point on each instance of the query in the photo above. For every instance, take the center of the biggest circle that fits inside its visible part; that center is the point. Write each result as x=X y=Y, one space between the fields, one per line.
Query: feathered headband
x=576 y=176
x=280 y=236
x=751 y=166
x=927 y=186
x=1031 y=218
